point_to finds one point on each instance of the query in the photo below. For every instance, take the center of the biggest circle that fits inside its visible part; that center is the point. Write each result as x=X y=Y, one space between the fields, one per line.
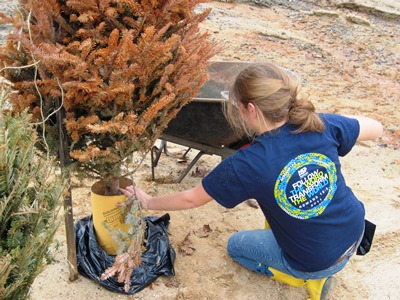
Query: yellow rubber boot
x=314 y=287
x=280 y=276
x=320 y=289
x=267 y=225
x=285 y=278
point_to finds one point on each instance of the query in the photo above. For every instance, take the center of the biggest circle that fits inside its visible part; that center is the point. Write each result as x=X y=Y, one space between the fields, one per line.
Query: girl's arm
x=192 y=198
x=370 y=129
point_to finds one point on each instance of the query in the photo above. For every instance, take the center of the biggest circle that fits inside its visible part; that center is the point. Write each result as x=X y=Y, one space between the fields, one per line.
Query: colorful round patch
x=306 y=185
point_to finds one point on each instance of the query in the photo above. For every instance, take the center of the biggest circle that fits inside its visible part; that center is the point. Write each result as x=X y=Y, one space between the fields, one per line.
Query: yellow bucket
x=104 y=209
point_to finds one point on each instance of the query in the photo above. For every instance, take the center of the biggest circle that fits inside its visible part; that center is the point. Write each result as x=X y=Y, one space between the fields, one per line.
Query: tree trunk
x=111 y=186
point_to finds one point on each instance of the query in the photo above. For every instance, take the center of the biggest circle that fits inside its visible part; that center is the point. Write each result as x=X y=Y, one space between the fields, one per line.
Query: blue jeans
x=257 y=250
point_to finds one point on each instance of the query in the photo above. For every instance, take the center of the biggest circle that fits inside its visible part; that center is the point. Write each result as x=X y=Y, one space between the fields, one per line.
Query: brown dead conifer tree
x=119 y=70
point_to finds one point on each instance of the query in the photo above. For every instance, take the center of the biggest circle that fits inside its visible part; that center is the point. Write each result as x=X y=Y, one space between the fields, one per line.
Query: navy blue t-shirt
x=298 y=183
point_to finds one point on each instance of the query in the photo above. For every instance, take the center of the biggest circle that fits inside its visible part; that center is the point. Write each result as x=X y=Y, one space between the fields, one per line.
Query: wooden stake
x=68 y=212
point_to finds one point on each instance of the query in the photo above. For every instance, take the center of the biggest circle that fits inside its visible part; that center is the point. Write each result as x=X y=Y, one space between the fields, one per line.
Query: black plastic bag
x=366 y=242
x=157 y=260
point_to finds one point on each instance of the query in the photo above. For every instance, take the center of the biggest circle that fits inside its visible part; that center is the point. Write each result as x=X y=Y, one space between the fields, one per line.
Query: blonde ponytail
x=274 y=92
x=302 y=114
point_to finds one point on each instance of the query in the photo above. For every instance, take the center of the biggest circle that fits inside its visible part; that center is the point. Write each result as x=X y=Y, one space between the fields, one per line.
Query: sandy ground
x=348 y=57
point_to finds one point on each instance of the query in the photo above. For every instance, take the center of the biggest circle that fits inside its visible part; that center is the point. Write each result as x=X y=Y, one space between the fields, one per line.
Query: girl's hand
x=143 y=197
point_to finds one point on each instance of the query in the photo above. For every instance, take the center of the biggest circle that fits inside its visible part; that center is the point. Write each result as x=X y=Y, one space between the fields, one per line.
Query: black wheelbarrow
x=201 y=124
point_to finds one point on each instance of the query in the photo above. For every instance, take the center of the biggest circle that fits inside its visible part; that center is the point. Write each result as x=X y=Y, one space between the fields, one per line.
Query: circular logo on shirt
x=306 y=185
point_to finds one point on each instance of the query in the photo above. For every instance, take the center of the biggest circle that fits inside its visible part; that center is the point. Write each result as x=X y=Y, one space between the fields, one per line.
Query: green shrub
x=29 y=205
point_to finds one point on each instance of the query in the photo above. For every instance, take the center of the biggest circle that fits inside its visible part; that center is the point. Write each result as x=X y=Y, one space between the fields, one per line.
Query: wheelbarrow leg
x=155 y=157
x=192 y=163
x=154 y=160
x=186 y=152
x=167 y=153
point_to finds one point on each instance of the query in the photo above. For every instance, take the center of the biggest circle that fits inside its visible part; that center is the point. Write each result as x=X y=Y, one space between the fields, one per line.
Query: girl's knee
x=233 y=245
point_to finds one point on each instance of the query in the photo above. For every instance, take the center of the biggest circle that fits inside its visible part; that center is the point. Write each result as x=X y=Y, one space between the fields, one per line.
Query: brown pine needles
x=145 y=59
